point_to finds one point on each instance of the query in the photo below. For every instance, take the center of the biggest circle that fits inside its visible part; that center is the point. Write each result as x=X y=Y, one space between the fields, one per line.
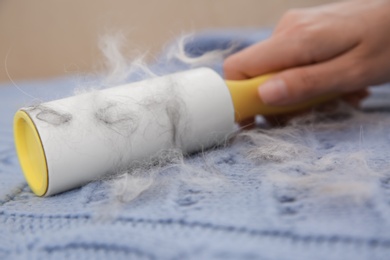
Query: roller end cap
x=30 y=152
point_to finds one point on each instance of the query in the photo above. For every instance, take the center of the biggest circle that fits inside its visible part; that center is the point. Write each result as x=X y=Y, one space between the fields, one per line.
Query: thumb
x=300 y=84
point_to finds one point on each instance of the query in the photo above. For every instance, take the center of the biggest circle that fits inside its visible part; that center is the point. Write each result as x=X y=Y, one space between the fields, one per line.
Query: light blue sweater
x=318 y=189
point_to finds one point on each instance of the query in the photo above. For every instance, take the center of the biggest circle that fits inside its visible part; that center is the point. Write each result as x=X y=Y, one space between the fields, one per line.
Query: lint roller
x=66 y=143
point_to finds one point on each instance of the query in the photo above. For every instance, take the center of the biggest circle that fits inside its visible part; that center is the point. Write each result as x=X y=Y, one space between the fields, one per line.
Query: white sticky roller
x=66 y=143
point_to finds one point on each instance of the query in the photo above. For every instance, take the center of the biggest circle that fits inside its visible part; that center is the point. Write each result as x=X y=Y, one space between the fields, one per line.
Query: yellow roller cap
x=30 y=153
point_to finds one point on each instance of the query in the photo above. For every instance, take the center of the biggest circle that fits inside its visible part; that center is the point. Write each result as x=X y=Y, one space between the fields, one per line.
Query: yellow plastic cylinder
x=247 y=102
x=30 y=153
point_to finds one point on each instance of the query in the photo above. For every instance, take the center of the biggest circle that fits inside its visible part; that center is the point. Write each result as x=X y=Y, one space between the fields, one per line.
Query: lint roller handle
x=247 y=102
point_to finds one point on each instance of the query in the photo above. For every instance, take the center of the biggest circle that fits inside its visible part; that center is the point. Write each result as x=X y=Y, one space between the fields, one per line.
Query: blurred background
x=49 y=38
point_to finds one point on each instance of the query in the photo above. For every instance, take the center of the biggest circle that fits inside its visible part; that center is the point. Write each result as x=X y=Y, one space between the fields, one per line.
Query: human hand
x=337 y=48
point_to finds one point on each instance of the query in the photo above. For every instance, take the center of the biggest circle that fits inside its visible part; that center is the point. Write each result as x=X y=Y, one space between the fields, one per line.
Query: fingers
x=296 y=45
x=298 y=40
x=340 y=75
x=268 y=56
x=281 y=52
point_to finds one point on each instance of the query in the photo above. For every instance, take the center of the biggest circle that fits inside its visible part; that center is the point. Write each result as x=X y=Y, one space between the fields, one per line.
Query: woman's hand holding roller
x=342 y=47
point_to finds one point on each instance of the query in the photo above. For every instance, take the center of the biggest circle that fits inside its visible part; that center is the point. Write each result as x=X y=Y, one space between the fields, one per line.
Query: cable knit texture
x=318 y=188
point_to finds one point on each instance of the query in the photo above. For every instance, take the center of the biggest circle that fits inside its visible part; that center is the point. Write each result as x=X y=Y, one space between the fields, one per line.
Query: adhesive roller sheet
x=66 y=143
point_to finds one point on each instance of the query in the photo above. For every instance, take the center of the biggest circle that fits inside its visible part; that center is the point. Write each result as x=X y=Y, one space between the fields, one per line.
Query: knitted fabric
x=316 y=189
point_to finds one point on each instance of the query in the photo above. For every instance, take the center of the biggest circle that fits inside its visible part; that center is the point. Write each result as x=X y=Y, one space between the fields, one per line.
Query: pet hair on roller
x=66 y=143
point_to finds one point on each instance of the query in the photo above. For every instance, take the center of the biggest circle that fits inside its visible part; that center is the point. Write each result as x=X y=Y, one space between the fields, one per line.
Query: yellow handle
x=247 y=102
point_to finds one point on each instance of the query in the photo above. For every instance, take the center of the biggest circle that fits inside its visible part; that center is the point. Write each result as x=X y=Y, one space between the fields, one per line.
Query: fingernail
x=273 y=92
